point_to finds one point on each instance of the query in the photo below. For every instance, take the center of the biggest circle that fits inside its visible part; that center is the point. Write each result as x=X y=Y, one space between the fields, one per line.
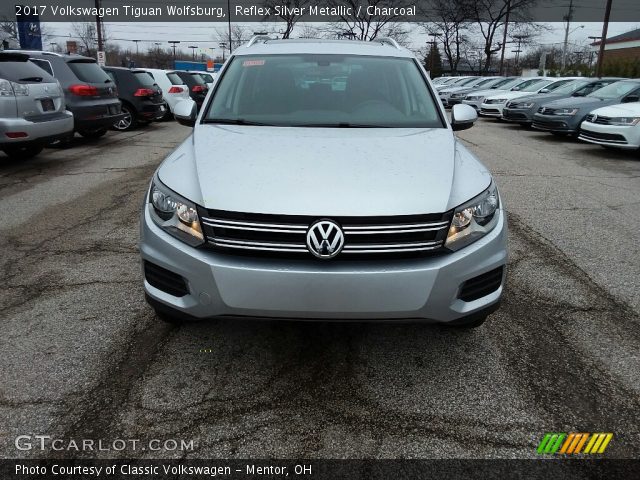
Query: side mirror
x=631 y=99
x=544 y=90
x=186 y=112
x=462 y=116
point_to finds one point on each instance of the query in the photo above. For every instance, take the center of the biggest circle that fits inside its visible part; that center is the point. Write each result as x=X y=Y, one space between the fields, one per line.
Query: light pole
x=223 y=46
x=193 y=51
x=592 y=52
x=566 y=41
x=173 y=45
x=229 y=24
x=54 y=46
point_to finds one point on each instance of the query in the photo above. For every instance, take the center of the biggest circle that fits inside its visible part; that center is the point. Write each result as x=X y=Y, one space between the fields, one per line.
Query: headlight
x=473 y=98
x=624 y=121
x=474 y=219
x=566 y=111
x=175 y=214
x=496 y=100
x=520 y=105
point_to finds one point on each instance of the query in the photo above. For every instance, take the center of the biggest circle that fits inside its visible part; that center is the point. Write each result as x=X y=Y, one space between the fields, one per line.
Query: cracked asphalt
x=84 y=357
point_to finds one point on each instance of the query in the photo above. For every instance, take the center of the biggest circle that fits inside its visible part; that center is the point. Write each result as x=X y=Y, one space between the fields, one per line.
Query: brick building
x=625 y=46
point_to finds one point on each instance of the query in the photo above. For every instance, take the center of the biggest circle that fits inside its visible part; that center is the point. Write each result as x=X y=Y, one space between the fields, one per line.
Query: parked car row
x=46 y=97
x=603 y=111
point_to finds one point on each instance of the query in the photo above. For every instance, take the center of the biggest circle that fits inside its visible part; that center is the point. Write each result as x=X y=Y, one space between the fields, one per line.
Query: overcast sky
x=204 y=36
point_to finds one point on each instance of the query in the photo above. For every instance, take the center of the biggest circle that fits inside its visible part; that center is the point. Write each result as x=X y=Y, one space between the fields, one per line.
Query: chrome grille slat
x=376 y=236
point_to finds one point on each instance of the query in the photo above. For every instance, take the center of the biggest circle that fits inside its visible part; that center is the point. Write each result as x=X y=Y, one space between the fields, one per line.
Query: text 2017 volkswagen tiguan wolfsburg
x=322 y=180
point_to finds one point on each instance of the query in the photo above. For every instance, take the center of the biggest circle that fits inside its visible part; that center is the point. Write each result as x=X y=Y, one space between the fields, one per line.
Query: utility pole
x=603 y=40
x=136 y=46
x=229 y=23
x=504 y=36
x=223 y=46
x=193 y=51
x=99 y=27
x=567 y=18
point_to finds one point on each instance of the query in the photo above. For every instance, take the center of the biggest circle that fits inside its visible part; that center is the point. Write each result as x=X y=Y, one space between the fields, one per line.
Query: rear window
x=174 y=79
x=198 y=78
x=23 y=72
x=207 y=78
x=43 y=64
x=144 y=78
x=89 y=72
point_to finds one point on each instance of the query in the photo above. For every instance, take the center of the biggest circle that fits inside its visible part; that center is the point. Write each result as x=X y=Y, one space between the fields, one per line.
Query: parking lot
x=84 y=357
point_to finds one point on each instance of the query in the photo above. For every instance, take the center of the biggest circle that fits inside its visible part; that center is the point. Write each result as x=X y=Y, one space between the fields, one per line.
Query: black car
x=90 y=94
x=197 y=86
x=140 y=96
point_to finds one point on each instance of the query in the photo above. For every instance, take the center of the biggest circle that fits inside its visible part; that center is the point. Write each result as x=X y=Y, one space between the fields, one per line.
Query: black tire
x=15 y=152
x=129 y=122
x=167 y=114
x=560 y=134
x=97 y=133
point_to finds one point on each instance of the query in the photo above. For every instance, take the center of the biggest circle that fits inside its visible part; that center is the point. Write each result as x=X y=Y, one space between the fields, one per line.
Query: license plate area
x=47 y=105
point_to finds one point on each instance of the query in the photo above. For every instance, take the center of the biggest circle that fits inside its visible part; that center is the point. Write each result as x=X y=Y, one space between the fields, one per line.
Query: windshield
x=324 y=91
x=144 y=78
x=469 y=81
x=486 y=82
x=507 y=84
x=532 y=85
x=557 y=84
x=615 y=90
x=174 y=78
x=206 y=77
x=198 y=78
x=569 y=88
x=89 y=72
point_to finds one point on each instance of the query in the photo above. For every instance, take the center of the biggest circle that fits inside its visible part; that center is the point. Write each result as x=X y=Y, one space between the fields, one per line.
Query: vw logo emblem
x=325 y=239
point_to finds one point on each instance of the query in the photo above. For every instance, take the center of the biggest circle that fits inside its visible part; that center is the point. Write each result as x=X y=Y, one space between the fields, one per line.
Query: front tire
x=15 y=152
x=469 y=324
x=128 y=122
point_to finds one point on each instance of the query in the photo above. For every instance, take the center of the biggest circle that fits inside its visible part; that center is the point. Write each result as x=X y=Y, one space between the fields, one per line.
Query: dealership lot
x=84 y=357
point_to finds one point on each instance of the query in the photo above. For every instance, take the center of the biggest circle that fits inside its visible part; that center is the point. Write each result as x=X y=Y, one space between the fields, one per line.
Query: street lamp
x=592 y=52
x=173 y=45
x=566 y=41
x=193 y=51
x=223 y=46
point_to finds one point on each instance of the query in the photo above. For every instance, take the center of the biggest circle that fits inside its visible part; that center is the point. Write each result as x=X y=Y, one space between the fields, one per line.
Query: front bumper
x=228 y=285
x=491 y=110
x=473 y=103
x=45 y=129
x=518 y=115
x=555 y=123
x=611 y=135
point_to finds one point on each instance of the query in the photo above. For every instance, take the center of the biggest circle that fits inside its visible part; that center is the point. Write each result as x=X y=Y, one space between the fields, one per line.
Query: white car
x=476 y=98
x=613 y=126
x=472 y=83
x=492 y=106
x=173 y=88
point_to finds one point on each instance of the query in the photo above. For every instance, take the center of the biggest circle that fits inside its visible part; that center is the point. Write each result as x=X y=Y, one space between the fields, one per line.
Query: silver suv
x=323 y=181
x=32 y=107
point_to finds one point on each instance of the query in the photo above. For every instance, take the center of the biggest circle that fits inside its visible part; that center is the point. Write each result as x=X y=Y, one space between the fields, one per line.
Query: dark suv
x=89 y=92
x=140 y=96
x=197 y=86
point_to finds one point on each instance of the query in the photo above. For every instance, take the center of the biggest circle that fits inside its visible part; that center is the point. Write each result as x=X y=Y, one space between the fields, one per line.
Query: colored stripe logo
x=574 y=443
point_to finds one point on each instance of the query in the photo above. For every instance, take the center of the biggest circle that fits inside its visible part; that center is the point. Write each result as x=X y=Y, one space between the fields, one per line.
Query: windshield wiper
x=341 y=125
x=236 y=121
x=31 y=79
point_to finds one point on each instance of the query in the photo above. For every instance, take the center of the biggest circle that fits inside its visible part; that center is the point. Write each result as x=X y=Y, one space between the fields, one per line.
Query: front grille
x=480 y=286
x=609 y=137
x=549 y=125
x=593 y=118
x=546 y=110
x=514 y=115
x=489 y=111
x=364 y=237
x=165 y=280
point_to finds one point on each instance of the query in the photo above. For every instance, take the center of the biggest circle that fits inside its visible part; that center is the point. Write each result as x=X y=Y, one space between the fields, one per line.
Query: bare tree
x=491 y=16
x=358 y=24
x=452 y=21
x=239 y=35
x=308 y=31
x=286 y=14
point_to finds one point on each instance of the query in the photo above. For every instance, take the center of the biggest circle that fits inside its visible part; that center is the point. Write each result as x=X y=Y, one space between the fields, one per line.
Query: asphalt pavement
x=83 y=357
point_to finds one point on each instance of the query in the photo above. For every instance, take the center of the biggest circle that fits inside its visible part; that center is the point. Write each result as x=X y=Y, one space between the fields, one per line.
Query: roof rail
x=388 y=41
x=255 y=39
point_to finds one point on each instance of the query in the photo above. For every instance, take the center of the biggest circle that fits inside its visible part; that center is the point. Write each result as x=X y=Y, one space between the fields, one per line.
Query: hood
x=541 y=98
x=324 y=171
x=619 y=110
x=487 y=93
x=509 y=95
x=578 y=102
